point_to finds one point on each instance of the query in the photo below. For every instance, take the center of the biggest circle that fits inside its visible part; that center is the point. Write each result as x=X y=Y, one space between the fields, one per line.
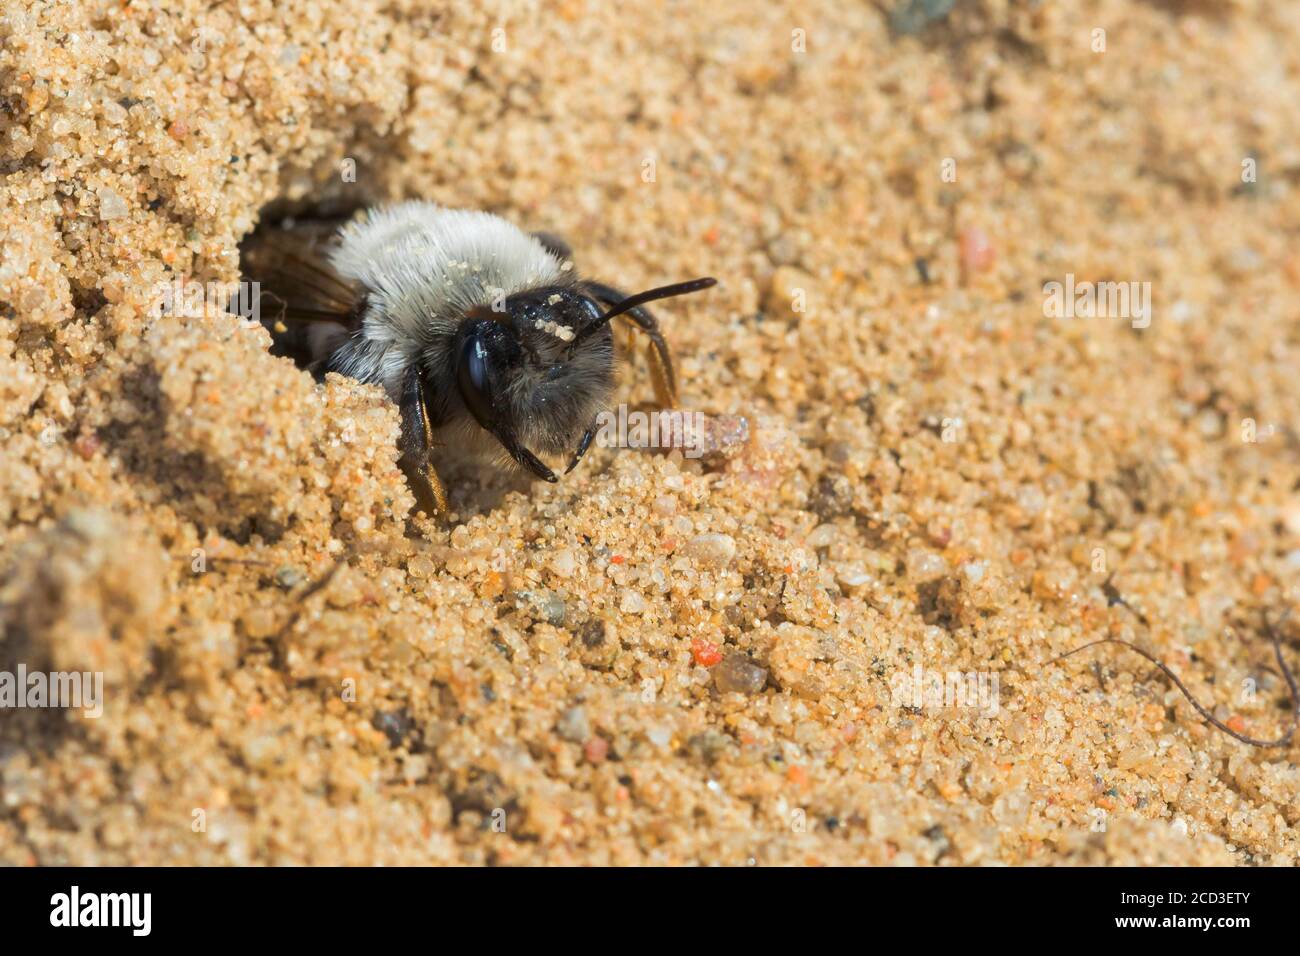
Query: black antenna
x=650 y=295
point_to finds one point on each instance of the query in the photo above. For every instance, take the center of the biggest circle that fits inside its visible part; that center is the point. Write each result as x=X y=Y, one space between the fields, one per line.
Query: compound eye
x=473 y=377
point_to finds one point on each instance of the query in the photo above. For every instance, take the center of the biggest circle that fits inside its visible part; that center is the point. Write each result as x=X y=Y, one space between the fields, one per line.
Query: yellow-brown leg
x=430 y=493
x=660 y=360
x=658 y=355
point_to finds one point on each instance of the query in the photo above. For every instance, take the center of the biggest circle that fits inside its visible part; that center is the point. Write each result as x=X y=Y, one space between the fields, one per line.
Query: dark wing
x=296 y=285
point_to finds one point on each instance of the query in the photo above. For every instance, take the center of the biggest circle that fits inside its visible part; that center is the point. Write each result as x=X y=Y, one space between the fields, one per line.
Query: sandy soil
x=662 y=660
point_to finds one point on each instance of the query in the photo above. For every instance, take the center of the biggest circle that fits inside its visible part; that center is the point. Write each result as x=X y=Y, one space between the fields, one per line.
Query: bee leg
x=524 y=457
x=416 y=443
x=658 y=354
x=583 y=445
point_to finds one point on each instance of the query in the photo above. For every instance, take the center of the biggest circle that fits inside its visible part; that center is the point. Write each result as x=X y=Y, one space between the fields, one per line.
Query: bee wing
x=295 y=278
x=298 y=291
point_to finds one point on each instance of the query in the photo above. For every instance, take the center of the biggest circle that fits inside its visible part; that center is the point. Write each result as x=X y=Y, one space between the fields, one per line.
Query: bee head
x=526 y=380
x=535 y=370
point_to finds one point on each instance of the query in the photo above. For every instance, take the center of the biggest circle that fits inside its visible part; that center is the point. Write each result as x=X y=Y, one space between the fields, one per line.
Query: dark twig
x=1101 y=678
x=1276 y=641
x=320 y=584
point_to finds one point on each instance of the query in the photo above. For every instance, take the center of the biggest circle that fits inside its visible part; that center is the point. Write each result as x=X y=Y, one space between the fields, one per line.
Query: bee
x=483 y=335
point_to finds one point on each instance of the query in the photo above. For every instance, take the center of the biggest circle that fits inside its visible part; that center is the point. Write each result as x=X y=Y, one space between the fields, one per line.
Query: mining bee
x=484 y=335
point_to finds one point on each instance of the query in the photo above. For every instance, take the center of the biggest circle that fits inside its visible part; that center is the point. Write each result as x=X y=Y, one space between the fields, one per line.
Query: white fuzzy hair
x=424 y=267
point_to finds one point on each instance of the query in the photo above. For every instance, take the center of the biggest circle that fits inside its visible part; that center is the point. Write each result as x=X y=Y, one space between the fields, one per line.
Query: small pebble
x=789 y=292
x=573 y=725
x=737 y=674
x=554 y=609
x=111 y=205
x=563 y=563
x=976 y=249
x=714 y=550
x=289 y=577
x=925 y=565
